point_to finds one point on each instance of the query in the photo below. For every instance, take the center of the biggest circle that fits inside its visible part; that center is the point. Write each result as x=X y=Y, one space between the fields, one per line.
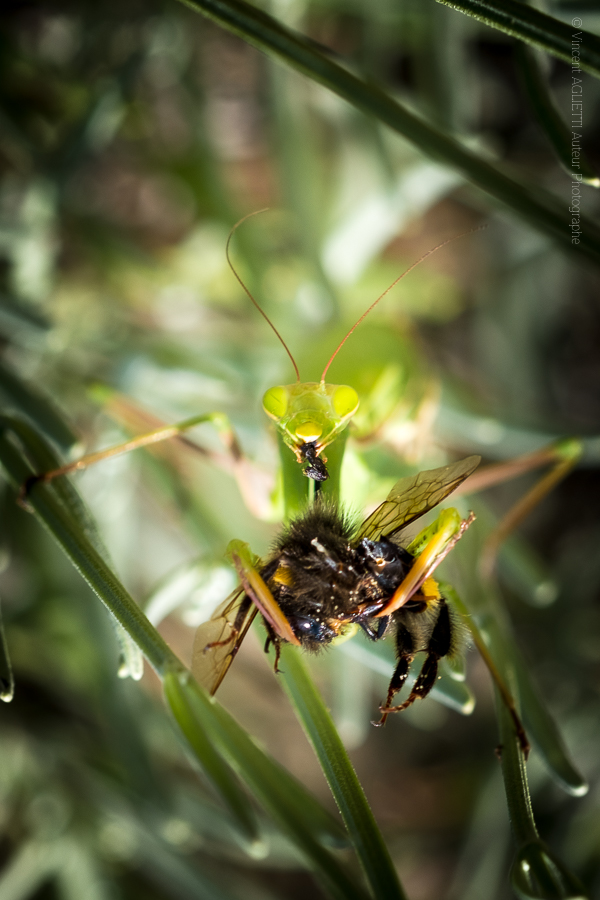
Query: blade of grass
x=50 y=508
x=32 y=864
x=341 y=777
x=278 y=793
x=44 y=459
x=54 y=515
x=535 y=28
x=556 y=130
x=36 y=407
x=176 y=874
x=7 y=683
x=485 y=616
x=212 y=763
x=20 y=314
x=542 y=210
x=536 y=873
x=544 y=733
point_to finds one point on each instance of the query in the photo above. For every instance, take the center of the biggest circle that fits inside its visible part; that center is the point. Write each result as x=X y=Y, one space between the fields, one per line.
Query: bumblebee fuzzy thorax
x=323 y=578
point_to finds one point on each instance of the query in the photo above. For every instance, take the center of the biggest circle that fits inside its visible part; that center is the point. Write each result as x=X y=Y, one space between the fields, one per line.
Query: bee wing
x=415 y=495
x=218 y=640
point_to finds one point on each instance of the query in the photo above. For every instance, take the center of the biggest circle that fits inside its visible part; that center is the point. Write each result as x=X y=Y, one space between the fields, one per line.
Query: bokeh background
x=133 y=135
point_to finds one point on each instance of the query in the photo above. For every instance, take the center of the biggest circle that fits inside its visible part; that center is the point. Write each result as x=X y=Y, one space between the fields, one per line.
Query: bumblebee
x=325 y=574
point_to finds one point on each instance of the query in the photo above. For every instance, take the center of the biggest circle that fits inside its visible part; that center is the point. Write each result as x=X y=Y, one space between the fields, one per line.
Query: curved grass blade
x=44 y=459
x=15 y=312
x=520 y=567
x=534 y=27
x=485 y=617
x=544 y=733
x=341 y=777
x=31 y=865
x=542 y=210
x=176 y=874
x=48 y=504
x=297 y=813
x=550 y=120
x=536 y=873
x=7 y=682
x=211 y=762
x=50 y=507
x=25 y=399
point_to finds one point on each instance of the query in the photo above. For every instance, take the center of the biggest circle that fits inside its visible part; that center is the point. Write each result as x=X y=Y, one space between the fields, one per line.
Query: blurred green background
x=132 y=137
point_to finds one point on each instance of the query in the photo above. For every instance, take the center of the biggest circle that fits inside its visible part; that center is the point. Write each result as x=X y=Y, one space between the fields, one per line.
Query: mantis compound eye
x=345 y=401
x=275 y=402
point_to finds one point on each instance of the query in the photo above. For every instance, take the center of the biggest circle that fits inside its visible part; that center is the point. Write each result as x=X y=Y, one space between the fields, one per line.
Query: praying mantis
x=379 y=583
x=413 y=604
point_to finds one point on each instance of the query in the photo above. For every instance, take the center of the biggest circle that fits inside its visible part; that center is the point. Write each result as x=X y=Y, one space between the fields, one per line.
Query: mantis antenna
x=256 y=304
x=388 y=289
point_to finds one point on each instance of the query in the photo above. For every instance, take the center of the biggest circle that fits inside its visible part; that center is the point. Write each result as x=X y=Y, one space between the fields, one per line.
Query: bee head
x=311 y=632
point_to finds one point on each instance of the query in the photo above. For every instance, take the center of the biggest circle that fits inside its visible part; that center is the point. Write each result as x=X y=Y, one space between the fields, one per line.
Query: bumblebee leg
x=405 y=653
x=277 y=645
x=375 y=634
x=423 y=684
x=439 y=646
x=272 y=638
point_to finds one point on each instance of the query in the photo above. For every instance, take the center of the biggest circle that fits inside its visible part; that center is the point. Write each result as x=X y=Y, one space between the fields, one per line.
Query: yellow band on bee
x=430 y=589
x=283 y=575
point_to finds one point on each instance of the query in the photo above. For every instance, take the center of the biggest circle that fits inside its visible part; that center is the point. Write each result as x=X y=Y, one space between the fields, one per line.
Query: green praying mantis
x=327 y=576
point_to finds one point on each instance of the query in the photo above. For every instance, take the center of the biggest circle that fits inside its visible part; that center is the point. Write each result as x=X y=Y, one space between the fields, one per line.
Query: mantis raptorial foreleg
x=251 y=482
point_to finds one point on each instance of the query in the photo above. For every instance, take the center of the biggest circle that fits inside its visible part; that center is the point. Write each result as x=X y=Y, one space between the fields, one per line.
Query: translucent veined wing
x=218 y=640
x=415 y=495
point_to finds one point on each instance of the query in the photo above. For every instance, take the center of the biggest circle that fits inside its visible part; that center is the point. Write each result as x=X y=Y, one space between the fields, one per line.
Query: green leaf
x=16 y=313
x=62 y=517
x=28 y=868
x=514 y=773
